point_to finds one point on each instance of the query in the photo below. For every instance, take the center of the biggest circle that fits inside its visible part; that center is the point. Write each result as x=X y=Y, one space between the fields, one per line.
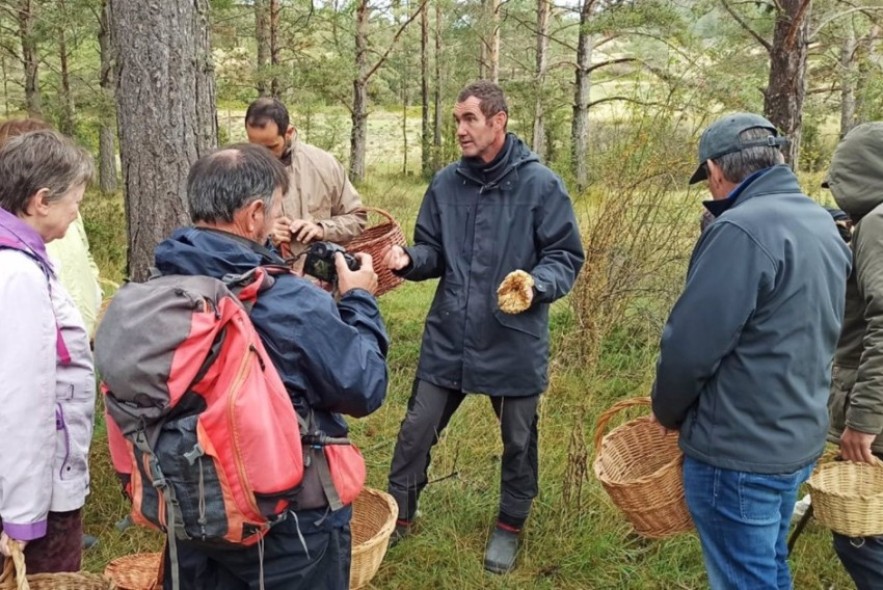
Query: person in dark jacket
x=744 y=365
x=496 y=213
x=330 y=355
x=856 y=403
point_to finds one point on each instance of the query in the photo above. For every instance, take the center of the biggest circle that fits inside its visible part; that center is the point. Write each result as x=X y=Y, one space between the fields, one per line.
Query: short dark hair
x=228 y=179
x=37 y=160
x=265 y=110
x=490 y=96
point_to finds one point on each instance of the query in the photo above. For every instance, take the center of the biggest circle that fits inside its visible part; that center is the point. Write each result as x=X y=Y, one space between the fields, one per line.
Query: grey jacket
x=474 y=228
x=856 y=181
x=744 y=365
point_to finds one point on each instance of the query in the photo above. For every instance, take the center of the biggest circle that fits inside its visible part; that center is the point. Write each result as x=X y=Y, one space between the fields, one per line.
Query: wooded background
x=148 y=75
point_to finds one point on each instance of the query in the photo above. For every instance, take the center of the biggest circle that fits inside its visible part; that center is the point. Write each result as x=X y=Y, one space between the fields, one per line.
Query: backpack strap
x=173 y=508
x=61 y=350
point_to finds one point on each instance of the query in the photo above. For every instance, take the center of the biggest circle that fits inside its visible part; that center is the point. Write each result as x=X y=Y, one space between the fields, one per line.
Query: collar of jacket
x=18 y=235
x=757 y=186
x=514 y=154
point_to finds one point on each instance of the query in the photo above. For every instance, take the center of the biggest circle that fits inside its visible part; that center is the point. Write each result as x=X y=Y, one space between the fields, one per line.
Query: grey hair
x=738 y=166
x=226 y=180
x=38 y=160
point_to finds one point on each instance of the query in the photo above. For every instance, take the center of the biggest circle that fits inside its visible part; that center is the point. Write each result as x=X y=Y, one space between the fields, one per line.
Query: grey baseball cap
x=722 y=138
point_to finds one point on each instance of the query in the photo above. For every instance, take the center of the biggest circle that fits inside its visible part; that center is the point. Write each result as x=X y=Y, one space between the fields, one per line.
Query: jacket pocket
x=530 y=322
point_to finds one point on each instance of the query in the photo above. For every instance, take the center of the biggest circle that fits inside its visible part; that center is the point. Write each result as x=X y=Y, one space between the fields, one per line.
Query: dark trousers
x=320 y=562
x=863 y=560
x=429 y=411
x=61 y=549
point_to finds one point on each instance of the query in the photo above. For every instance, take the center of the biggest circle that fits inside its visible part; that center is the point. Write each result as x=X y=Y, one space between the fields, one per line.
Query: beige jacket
x=78 y=272
x=321 y=192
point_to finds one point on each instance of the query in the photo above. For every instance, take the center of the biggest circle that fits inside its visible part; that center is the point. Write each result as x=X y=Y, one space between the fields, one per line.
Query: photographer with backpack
x=252 y=491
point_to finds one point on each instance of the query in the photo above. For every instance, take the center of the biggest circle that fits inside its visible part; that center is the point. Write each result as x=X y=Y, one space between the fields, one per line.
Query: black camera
x=320 y=261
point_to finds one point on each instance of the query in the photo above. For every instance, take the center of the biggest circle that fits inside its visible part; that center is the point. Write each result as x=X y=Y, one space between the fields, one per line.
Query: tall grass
x=638 y=227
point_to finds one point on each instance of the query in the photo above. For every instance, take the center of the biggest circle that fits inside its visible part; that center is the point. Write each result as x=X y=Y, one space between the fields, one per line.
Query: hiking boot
x=499 y=556
x=402 y=530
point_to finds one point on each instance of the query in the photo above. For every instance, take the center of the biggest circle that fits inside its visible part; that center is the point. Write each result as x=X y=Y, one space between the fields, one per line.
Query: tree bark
x=107 y=162
x=579 y=130
x=494 y=49
x=262 y=38
x=437 y=131
x=275 y=11
x=66 y=122
x=785 y=92
x=544 y=10
x=166 y=108
x=27 y=17
x=848 y=80
x=425 y=131
x=359 y=132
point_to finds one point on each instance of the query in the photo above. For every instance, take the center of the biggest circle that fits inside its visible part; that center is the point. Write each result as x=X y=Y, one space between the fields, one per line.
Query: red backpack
x=213 y=438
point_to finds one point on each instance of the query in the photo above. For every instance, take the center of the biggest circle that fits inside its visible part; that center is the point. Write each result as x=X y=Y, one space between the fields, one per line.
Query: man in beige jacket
x=321 y=204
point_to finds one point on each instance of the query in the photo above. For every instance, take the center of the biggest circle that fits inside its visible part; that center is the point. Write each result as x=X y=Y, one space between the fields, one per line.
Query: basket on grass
x=847 y=497
x=14 y=577
x=141 y=571
x=374 y=518
x=641 y=470
x=375 y=240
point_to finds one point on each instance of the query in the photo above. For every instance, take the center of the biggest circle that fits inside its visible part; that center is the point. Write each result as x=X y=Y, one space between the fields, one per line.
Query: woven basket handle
x=379 y=211
x=14 y=568
x=607 y=415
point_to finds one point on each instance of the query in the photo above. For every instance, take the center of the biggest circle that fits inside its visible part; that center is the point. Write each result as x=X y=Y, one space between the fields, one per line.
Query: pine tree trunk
x=27 y=18
x=262 y=38
x=437 y=107
x=544 y=9
x=66 y=123
x=425 y=131
x=848 y=80
x=275 y=11
x=494 y=49
x=166 y=109
x=107 y=163
x=359 y=133
x=783 y=98
x=579 y=131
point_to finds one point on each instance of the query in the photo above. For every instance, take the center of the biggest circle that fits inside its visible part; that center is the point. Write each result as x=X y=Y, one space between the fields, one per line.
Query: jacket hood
x=856 y=173
x=195 y=251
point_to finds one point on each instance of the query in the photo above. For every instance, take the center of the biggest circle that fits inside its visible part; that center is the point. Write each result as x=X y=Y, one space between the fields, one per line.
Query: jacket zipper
x=240 y=377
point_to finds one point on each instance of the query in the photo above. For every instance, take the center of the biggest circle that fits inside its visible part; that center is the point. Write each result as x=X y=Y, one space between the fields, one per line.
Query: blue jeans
x=742 y=519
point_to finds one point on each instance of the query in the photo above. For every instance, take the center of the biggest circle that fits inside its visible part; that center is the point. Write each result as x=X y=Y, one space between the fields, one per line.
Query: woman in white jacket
x=47 y=383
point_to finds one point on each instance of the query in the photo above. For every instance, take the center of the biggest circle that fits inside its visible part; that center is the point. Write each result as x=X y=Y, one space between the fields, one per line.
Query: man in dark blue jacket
x=496 y=211
x=330 y=355
x=745 y=358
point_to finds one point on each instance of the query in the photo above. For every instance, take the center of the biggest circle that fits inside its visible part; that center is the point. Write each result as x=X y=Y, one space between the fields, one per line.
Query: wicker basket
x=641 y=470
x=14 y=577
x=375 y=240
x=374 y=518
x=847 y=497
x=141 y=571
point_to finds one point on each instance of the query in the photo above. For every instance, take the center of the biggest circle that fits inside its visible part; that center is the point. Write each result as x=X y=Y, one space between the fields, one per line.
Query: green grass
x=574 y=539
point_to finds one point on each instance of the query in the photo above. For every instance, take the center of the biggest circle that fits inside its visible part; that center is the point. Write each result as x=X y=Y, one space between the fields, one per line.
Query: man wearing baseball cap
x=744 y=365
